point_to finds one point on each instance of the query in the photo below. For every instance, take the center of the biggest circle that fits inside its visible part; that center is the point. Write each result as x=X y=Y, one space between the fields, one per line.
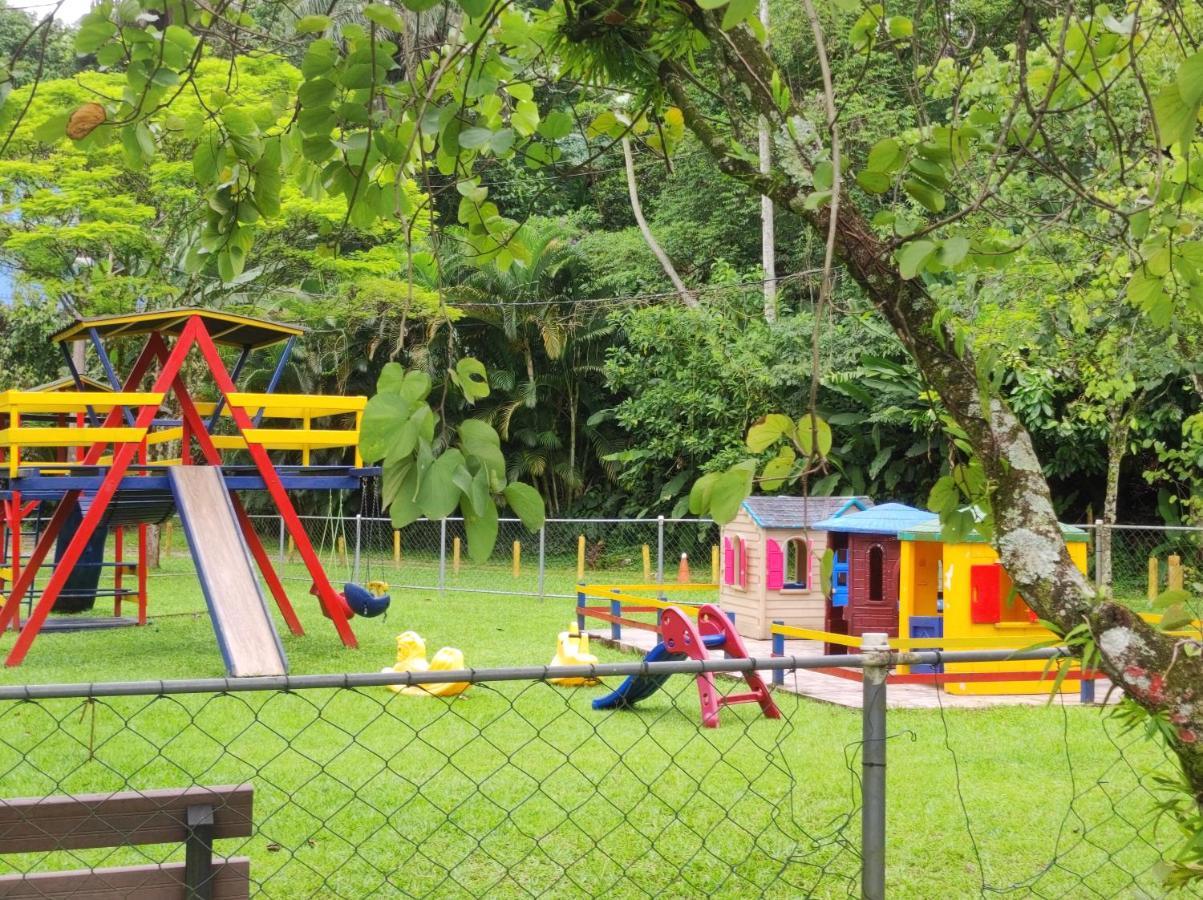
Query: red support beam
x=334 y=606
x=123 y=455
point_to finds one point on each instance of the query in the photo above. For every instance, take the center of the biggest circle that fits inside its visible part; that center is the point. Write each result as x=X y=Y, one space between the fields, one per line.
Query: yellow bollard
x=169 y=533
x=292 y=547
x=517 y=558
x=1154 y=578
x=455 y=555
x=580 y=558
x=714 y=564
x=1174 y=573
x=647 y=563
x=397 y=548
x=341 y=544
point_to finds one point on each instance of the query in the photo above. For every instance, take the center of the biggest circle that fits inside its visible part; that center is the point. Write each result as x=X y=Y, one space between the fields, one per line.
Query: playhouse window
x=741 y=563
x=877 y=564
x=797 y=564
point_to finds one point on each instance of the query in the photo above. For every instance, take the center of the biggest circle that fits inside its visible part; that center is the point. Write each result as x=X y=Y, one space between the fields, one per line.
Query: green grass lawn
x=520 y=788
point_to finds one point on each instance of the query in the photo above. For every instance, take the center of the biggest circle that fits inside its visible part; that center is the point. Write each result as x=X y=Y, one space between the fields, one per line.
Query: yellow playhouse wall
x=958 y=559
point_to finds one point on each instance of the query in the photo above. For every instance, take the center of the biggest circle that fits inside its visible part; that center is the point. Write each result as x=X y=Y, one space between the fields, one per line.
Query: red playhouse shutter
x=985 y=604
x=774 y=566
x=728 y=562
x=811 y=577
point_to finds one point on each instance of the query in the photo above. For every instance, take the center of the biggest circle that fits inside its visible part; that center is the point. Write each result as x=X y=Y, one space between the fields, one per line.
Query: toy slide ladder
x=682 y=639
x=245 y=634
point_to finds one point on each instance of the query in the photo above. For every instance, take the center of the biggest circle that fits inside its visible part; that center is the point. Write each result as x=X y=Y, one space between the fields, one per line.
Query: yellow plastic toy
x=411 y=657
x=572 y=649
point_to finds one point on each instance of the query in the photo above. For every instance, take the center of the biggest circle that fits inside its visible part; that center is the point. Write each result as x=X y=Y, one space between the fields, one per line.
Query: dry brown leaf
x=84 y=121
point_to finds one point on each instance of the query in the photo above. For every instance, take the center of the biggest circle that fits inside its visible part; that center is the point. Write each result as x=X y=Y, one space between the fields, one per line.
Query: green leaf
x=470 y=377
x=205 y=158
x=767 y=431
x=737 y=12
x=526 y=503
x=953 y=251
x=913 y=256
x=945 y=496
x=557 y=124
x=415 y=386
x=381 y=427
x=886 y=156
x=312 y=24
x=712 y=4
x=317 y=92
x=400 y=483
x=439 y=494
x=481 y=529
x=1190 y=79
x=390 y=378
x=1175 y=617
x=900 y=27
x=826 y=570
x=1175 y=119
x=931 y=198
x=478 y=437
x=699 y=494
x=730 y=489
x=873 y=182
x=474 y=138
x=384 y=16
x=53 y=129
x=823 y=176
x=810 y=427
x=777 y=470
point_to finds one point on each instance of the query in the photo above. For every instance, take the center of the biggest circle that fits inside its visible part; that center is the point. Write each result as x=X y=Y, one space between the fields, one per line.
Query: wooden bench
x=193 y=816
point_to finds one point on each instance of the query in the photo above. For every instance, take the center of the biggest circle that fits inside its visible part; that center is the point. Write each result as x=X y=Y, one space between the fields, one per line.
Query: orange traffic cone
x=683 y=570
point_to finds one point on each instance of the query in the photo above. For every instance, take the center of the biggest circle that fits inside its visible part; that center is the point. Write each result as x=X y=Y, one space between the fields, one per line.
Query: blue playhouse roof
x=889 y=518
x=800 y=512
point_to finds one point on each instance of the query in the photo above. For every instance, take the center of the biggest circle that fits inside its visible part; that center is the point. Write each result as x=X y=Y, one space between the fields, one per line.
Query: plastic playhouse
x=110 y=480
x=893 y=572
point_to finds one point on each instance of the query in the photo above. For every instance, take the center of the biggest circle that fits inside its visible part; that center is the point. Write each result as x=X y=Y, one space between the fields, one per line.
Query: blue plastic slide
x=640 y=687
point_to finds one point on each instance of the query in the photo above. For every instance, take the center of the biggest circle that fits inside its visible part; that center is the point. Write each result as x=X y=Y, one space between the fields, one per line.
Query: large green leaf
x=415 y=386
x=699 y=494
x=470 y=377
x=481 y=529
x=730 y=490
x=809 y=429
x=384 y=16
x=400 y=484
x=767 y=431
x=478 y=438
x=526 y=503
x=913 y=256
x=383 y=418
x=439 y=494
x=1190 y=79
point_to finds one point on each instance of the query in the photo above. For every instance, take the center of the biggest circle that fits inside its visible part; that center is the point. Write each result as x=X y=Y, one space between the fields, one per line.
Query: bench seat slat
x=83 y=821
x=231 y=881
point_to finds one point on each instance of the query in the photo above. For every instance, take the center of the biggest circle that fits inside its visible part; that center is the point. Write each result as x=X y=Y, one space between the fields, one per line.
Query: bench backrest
x=124 y=818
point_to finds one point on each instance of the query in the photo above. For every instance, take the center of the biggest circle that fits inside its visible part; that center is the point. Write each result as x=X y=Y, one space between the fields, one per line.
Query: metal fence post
x=660 y=553
x=615 y=625
x=580 y=609
x=442 y=555
x=875 y=647
x=358 y=545
x=542 y=557
x=283 y=552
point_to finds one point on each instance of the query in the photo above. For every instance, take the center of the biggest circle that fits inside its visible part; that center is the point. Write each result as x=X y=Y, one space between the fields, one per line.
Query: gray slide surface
x=245 y=633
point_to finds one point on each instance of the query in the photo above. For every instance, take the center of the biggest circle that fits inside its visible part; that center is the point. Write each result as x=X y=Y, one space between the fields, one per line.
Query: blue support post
x=616 y=612
x=580 y=606
x=109 y=372
x=778 y=652
x=285 y=355
x=1086 y=689
x=221 y=401
x=93 y=420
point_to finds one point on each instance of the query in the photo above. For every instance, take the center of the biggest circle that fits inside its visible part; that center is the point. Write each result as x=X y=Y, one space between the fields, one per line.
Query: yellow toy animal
x=572 y=649
x=411 y=657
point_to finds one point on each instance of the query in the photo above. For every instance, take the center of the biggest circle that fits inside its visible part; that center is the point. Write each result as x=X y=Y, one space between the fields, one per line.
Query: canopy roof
x=888 y=518
x=800 y=512
x=224 y=328
x=931 y=531
x=68 y=384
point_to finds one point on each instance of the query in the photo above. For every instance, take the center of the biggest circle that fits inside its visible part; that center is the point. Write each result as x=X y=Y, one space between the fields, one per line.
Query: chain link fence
x=1139 y=562
x=430 y=555
x=517 y=788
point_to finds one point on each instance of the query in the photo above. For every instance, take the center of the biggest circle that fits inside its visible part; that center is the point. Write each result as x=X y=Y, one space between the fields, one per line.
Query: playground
x=497 y=787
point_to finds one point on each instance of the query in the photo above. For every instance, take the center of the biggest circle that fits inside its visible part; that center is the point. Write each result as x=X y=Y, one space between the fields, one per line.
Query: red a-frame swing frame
x=194 y=333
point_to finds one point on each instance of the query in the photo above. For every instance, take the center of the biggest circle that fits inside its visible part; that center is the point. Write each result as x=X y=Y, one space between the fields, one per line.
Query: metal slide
x=239 y=612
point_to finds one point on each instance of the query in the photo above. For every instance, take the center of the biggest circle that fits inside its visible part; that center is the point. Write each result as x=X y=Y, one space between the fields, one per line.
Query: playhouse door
x=877 y=608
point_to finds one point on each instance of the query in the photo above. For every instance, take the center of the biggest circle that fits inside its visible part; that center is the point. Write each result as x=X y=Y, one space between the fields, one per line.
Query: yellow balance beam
x=73 y=401
x=25 y=436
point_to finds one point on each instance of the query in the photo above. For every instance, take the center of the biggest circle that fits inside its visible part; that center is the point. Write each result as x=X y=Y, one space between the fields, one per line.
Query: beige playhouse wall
x=755 y=607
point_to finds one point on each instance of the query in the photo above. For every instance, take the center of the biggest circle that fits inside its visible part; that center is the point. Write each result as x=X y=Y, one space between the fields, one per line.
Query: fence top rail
x=1120 y=526
x=550 y=521
x=29 y=692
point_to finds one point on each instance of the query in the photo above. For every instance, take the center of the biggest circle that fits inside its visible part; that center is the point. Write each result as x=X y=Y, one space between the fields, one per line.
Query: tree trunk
x=153 y=547
x=1117 y=446
x=768 y=238
x=687 y=296
x=1026 y=532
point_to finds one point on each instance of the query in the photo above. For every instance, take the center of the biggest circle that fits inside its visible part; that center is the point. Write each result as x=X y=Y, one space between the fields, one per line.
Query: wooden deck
x=845 y=692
